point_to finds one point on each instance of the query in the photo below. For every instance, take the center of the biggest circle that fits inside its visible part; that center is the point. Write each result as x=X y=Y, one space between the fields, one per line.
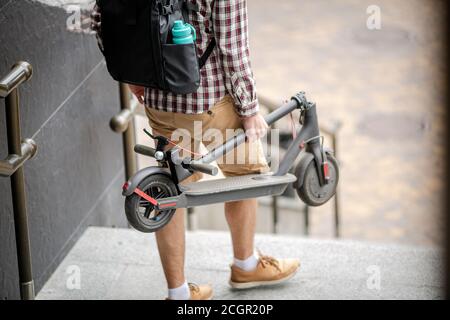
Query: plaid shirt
x=228 y=69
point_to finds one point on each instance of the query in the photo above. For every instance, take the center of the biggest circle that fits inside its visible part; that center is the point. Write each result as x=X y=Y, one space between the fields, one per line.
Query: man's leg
x=248 y=270
x=241 y=218
x=240 y=215
x=171 y=238
x=171 y=247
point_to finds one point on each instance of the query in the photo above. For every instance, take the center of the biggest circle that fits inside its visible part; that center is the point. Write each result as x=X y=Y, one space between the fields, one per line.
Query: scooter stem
x=240 y=138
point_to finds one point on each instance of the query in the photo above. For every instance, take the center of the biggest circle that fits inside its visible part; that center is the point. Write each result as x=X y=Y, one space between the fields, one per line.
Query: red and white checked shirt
x=228 y=69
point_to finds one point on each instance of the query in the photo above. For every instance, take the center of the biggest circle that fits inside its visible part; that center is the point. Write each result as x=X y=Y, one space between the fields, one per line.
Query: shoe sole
x=254 y=284
x=209 y=298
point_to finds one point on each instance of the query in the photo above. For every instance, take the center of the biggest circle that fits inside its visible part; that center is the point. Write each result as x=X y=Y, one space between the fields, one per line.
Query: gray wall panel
x=75 y=179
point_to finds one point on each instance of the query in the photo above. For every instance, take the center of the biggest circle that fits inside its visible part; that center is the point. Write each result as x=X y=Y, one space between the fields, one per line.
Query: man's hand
x=138 y=91
x=255 y=127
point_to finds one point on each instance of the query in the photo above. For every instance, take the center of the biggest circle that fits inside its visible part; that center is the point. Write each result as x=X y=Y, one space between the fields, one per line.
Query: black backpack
x=138 y=49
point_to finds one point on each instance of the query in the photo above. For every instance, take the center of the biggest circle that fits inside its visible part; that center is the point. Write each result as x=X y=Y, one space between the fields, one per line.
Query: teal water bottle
x=183 y=33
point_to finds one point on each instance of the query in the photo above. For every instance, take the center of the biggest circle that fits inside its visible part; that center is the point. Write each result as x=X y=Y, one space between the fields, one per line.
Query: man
x=225 y=100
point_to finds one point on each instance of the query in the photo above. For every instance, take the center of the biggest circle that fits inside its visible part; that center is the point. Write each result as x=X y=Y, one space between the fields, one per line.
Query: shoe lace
x=194 y=287
x=265 y=260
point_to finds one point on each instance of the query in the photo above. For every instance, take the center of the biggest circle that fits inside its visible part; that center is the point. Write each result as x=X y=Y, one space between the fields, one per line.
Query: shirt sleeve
x=231 y=32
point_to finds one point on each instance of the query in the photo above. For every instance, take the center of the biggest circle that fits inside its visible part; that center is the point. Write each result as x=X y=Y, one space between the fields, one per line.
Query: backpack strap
x=190 y=6
x=130 y=13
x=177 y=5
x=202 y=60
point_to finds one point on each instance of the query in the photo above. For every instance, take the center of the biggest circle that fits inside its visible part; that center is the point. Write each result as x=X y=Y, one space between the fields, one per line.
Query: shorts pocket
x=181 y=69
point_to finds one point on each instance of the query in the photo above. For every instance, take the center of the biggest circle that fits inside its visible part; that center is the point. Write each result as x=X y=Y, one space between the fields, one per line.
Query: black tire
x=140 y=213
x=311 y=192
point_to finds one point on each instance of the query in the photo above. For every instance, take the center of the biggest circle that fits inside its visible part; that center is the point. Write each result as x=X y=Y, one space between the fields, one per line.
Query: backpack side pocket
x=181 y=69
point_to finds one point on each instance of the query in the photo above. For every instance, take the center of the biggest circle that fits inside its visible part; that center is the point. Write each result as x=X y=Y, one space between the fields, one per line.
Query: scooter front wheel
x=311 y=192
x=141 y=214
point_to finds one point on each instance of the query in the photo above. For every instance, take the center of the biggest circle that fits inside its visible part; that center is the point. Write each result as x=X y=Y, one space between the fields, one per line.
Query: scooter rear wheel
x=140 y=213
x=311 y=192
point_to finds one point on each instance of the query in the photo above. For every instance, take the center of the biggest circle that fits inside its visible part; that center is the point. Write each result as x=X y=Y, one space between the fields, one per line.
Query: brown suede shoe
x=269 y=271
x=202 y=292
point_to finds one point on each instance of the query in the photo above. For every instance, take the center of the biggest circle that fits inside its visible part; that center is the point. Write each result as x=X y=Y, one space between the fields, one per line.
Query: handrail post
x=14 y=168
x=337 y=220
x=129 y=139
x=19 y=199
x=275 y=214
x=123 y=123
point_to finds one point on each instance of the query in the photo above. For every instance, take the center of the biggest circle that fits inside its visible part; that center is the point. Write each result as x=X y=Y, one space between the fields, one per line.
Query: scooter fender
x=300 y=170
x=141 y=175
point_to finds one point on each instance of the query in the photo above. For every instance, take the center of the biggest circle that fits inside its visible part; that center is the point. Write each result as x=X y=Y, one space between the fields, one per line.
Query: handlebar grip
x=204 y=168
x=144 y=150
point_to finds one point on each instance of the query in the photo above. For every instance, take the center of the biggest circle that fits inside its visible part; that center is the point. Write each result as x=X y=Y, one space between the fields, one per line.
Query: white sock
x=248 y=264
x=180 y=293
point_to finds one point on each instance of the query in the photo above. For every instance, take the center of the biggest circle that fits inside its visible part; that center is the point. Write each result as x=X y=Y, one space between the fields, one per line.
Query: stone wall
x=75 y=179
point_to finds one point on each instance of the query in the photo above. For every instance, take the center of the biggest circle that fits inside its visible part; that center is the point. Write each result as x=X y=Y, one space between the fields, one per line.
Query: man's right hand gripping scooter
x=154 y=193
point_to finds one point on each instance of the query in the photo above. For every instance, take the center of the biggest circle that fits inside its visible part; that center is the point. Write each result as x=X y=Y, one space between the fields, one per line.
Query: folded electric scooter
x=153 y=193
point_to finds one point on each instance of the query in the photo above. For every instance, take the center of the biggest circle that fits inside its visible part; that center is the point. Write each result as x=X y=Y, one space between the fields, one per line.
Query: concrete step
x=124 y=264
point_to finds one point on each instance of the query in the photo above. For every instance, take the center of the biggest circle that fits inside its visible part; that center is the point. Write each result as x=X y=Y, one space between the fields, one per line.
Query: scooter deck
x=229 y=189
x=240 y=183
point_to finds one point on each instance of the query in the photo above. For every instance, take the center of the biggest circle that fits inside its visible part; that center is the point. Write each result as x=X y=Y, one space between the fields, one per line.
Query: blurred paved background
x=385 y=86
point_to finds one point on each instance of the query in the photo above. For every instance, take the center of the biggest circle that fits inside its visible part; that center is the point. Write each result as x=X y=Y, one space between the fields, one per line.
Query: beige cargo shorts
x=211 y=128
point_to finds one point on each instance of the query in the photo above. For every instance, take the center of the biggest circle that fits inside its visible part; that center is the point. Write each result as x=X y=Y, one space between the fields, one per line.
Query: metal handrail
x=21 y=72
x=123 y=123
x=14 y=161
x=329 y=131
x=19 y=152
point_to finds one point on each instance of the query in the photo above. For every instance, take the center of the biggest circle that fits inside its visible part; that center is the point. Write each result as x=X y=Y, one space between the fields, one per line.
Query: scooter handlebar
x=204 y=168
x=144 y=150
x=282 y=111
